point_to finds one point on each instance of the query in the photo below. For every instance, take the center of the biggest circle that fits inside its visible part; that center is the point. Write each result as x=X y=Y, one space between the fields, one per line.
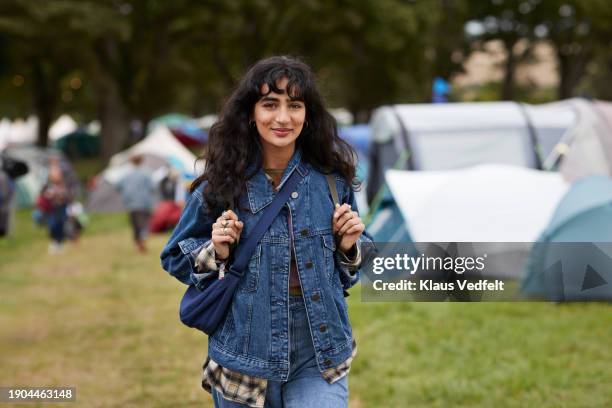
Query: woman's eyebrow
x=269 y=99
x=275 y=99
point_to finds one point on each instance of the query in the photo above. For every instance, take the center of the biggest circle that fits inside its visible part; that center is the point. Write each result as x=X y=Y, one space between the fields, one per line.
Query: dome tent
x=79 y=143
x=448 y=136
x=572 y=260
x=37 y=158
x=504 y=207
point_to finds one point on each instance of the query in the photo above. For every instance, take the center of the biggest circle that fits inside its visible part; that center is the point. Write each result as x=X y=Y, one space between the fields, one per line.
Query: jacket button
x=315 y=297
x=308 y=264
x=295 y=194
x=304 y=232
x=327 y=362
x=322 y=328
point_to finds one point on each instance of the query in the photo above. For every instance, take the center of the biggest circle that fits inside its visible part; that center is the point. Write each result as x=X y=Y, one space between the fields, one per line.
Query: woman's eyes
x=271 y=105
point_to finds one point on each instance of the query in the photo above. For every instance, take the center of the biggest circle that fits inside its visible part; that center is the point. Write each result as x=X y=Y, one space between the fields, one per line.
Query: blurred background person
x=137 y=189
x=10 y=169
x=168 y=211
x=53 y=201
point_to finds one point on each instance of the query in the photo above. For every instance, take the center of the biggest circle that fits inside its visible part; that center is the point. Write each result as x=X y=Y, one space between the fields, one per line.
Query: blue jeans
x=56 y=218
x=305 y=387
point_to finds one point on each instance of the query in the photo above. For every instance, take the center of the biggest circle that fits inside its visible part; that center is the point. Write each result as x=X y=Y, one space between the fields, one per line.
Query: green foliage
x=136 y=59
x=187 y=55
x=579 y=32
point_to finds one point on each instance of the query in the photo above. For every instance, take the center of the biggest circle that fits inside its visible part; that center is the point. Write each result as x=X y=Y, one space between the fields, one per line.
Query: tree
x=128 y=53
x=510 y=22
x=567 y=24
x=38 y=47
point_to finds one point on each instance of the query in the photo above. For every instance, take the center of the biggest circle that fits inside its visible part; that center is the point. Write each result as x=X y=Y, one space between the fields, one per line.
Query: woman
x=287 y=340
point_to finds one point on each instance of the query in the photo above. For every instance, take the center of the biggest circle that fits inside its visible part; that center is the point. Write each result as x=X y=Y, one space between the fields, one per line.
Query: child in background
x=55 y=197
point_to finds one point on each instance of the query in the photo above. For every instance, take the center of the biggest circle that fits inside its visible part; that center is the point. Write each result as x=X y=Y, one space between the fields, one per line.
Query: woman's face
x=279 y=118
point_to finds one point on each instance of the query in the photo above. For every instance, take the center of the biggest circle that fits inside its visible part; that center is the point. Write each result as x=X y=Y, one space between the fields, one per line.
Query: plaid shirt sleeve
x=205 y=262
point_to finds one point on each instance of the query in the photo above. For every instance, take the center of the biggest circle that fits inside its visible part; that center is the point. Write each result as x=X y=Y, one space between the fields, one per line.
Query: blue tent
x=572 y=260
x=357 y=136
x=388 y=224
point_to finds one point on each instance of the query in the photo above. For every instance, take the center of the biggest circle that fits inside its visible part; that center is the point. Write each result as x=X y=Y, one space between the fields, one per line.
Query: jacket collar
x=259 y=189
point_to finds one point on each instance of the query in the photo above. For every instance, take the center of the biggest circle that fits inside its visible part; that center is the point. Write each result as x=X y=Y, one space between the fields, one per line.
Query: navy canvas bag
x=205 y=309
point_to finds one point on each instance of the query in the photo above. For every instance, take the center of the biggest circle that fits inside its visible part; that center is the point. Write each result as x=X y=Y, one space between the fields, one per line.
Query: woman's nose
x=282 y=115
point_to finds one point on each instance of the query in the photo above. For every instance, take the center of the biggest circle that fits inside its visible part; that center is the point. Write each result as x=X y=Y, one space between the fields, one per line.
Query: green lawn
x=104 y=319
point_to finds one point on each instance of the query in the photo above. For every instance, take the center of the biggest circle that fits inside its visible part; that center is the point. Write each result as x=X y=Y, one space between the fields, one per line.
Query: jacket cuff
x=349 y=268
x=352 y=261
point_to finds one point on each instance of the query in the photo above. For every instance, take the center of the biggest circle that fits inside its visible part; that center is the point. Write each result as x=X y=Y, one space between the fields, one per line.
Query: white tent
x=486 y=203
x=61 y=127
x=23 y=132
x=160 y=149
x=5 y=131
x=159 y=143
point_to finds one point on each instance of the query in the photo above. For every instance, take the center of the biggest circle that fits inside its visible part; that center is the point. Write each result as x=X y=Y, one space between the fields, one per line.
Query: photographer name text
x=432 y=285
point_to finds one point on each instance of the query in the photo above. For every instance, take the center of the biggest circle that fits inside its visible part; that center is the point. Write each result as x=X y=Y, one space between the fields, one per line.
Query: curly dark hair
x=233 y=145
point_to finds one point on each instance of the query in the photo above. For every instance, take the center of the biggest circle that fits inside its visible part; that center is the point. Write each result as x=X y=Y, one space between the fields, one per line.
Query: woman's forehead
x=281 y=85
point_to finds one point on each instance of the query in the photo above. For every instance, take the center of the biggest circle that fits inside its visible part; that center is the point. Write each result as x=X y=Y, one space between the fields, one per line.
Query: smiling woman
x=286 y=339
x=279 y=118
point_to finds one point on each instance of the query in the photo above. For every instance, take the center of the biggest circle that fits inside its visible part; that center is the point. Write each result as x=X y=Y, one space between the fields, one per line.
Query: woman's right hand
x=225 y=231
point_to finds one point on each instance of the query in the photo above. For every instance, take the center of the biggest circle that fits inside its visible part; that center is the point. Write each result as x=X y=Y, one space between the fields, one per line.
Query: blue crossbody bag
x=205 y=308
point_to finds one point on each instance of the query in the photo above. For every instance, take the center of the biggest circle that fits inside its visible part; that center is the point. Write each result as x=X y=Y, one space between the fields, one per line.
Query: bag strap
x=244 y=251
x=331 y=182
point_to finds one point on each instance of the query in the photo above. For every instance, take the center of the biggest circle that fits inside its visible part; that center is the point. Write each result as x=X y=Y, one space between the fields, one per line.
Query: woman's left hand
x=347 y=226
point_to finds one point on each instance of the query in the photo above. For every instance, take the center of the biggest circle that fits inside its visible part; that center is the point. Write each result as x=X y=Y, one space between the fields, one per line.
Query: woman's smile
x=281 y=132
x=279 y=119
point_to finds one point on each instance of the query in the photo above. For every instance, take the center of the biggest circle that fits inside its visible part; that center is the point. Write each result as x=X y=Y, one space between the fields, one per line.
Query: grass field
x=104 y=319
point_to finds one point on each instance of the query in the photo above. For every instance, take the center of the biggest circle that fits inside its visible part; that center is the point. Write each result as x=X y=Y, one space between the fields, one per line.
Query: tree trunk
x=572 y=69
x=114 y=117
x=507 y=93
x=45 y=87
x=564 y=85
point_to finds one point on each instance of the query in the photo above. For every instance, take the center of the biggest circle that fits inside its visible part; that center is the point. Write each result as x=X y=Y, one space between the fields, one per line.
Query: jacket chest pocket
x=249 y=283
x=329 y=249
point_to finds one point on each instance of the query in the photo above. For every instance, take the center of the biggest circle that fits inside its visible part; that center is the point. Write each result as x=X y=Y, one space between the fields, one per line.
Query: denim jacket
x=254 y=338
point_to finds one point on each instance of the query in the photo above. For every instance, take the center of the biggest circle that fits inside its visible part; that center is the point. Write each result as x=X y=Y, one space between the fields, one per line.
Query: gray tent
x=586 y=149
x=105 y=198
x=37 y=158
x=449 y=136
x=574 y=136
